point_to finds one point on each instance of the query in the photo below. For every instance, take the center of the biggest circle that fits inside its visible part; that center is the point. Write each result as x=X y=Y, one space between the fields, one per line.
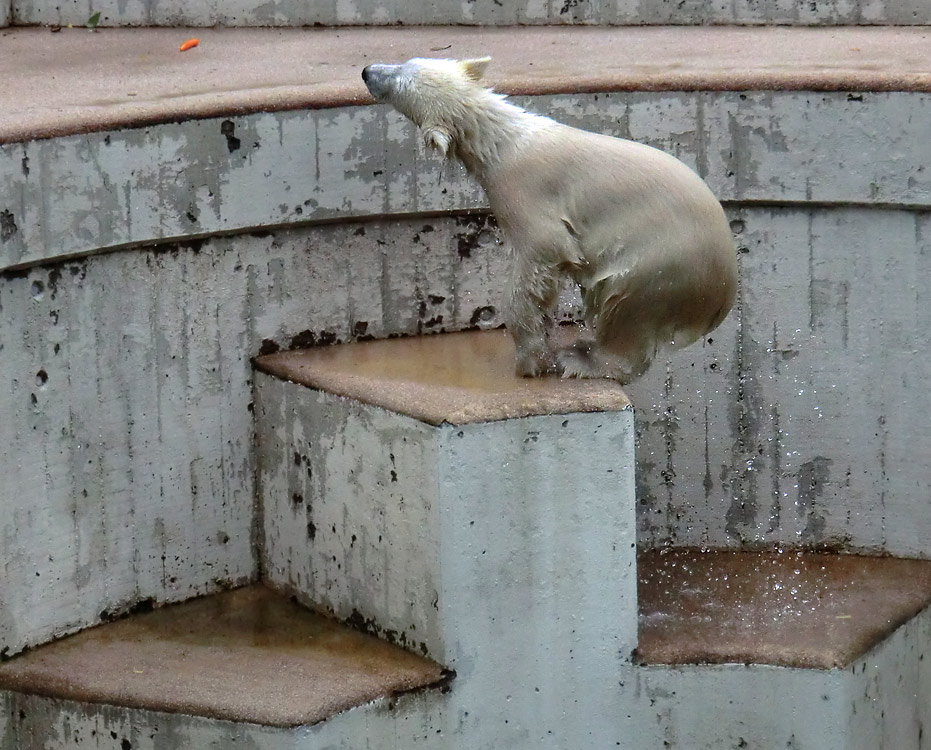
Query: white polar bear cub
x=636 y=229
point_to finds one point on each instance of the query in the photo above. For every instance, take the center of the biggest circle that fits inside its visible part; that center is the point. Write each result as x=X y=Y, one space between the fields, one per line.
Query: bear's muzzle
x=378 y=79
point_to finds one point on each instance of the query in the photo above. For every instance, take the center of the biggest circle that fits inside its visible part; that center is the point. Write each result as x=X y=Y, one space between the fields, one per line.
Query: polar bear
x=639 y=232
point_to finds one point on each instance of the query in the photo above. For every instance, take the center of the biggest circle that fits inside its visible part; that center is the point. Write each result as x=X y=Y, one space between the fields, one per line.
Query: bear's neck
x=492 y=131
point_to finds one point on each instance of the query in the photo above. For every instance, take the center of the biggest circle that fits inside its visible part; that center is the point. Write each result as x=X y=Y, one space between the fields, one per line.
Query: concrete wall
x=76 y=194
x=803 y=422
x=484 y=12
x=126 y=450
x=127 y=427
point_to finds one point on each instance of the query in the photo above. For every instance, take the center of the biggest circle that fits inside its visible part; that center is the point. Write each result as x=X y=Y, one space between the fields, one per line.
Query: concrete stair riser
x=702 y=417
x=357 y=161
x=36 y=723
x=375 y=12
x=761 y=446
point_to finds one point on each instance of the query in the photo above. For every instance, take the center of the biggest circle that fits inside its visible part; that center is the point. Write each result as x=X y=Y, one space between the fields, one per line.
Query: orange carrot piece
x=190 y=43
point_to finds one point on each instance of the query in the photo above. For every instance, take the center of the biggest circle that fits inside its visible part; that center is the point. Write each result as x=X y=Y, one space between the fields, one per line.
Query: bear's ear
x=474 y=69
x=437 y=138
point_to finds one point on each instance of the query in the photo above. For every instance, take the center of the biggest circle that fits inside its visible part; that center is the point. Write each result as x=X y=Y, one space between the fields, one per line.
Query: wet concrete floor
x=247 y=655
x=794 y=609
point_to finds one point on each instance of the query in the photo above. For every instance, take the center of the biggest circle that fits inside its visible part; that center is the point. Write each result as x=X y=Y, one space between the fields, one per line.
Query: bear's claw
x=537 y=365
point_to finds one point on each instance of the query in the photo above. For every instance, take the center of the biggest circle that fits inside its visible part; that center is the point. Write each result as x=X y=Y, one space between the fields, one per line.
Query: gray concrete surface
x=458 y=378
x=78 y=194
x=802 y=423
x=127 y=457
x=504 y=550
x=880 y=701
x=485 y=12
x=747 y=439
x=34 y=723
x=247 y=656
x=77 y=81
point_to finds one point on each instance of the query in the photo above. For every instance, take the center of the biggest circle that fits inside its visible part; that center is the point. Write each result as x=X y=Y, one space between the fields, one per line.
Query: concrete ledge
x=483 y=12
x=458 y=378
x=789 y=609
x=33 y=722
x=244 y=656
x=76 y=81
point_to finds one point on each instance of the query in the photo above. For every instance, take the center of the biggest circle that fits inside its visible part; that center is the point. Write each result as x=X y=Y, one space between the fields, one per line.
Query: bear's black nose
x=366 y=73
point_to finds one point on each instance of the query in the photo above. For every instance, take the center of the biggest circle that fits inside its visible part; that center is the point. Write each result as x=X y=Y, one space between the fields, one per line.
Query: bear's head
x=431 y=93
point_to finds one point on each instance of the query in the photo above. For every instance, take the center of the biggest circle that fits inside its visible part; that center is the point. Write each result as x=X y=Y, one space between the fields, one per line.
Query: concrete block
x=504 y=549
x=878 y=701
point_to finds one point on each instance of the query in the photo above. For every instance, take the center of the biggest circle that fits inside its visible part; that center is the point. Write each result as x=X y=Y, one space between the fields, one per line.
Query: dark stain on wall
x=228 y=129
x=8 y=228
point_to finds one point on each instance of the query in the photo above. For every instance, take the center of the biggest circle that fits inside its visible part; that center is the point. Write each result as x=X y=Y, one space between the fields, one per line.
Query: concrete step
x=403 y=489
x=244 y=657
x=122 y=489
x=786 y=649
x=75 y=81
x=418 y=488
x=384 y=12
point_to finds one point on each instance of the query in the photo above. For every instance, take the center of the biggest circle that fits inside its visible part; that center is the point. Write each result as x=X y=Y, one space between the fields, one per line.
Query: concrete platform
x=76 y=81
x=468 y=514
x=458 y=378
x=247 y=655
x=791 y=609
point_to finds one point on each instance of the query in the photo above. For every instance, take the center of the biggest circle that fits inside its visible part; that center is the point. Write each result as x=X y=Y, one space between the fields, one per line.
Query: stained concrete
x=484 y=12
x=75 y=81
x=743 y=438
x=879 y=701
x=141 y=484
x=83 y=194
x=458 y=378
x=791 y=609
x=31 y=722
x=245 y=656
x=800 y=421
x=504 y=550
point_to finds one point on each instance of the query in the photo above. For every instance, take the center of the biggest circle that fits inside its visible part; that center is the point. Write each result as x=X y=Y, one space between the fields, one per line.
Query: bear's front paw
x=537 y=364
x=580 y=361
